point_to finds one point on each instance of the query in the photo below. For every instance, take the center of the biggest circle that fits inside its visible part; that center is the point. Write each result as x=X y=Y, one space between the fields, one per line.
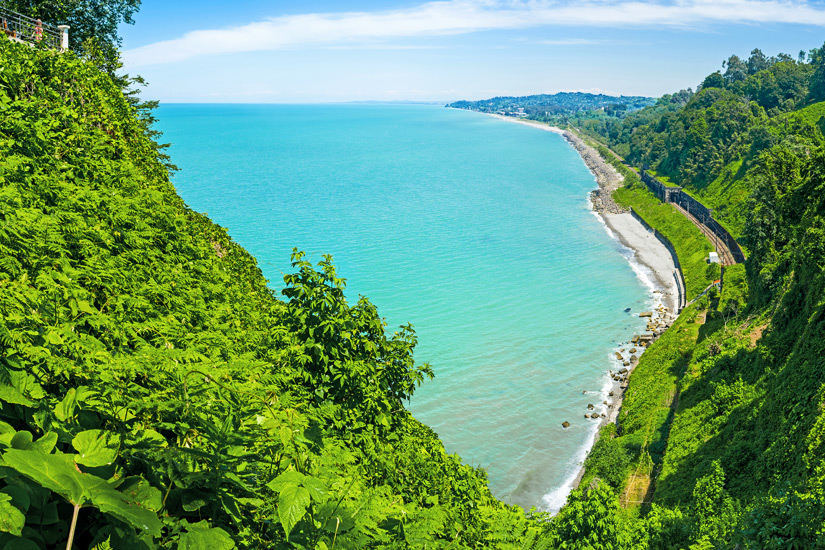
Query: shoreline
x=649 y=259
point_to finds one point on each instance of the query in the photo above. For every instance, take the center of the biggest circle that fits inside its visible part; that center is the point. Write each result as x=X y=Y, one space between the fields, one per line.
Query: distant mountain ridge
x=561 y=103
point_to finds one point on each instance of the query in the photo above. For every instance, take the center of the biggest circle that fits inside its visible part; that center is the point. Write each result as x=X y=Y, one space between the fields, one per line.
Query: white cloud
x=570 y=42
x=465 y=16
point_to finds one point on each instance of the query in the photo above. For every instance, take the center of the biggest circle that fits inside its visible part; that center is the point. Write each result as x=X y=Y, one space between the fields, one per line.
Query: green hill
x=721 y=440
x=710 y=145
x=555 y=107
x=151 y=380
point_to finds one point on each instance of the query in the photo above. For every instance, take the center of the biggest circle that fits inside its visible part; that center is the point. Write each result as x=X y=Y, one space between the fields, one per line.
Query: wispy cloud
x=466 y=16
x=570 y=42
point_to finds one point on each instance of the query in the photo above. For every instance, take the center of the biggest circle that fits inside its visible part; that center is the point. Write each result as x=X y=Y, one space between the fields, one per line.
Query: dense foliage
x=723 y=417
x=714 y=138
x=155 y=393
x=95 y=20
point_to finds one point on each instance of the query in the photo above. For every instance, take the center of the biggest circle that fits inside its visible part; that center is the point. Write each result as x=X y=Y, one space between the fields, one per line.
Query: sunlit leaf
x=95 y=448
x=292 y=505
x=11 y=518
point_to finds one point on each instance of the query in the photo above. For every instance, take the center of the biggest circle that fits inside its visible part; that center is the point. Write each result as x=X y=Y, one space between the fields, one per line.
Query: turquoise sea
x=475 y=230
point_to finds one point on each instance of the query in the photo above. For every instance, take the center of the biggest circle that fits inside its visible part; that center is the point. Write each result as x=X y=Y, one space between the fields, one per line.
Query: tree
x=736 y=71
x=817 y=87
x=714 y=80
x=95 y=20
x=757 y=62
x=590 y=519
x=346 y=355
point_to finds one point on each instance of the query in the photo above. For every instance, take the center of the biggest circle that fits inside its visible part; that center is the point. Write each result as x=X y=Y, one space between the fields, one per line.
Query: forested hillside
x=559 y=106
x=721 y=436
x=711 y=144
x=156 y=394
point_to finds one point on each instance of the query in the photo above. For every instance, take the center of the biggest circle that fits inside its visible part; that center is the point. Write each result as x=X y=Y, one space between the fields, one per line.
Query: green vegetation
x=692 y=247
x=561 y=109
x=708 y=145
x=94 y=23
x=155 y=393
x=735 y=405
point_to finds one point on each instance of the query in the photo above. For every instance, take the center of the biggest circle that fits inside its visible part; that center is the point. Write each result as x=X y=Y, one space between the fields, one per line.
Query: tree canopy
x=95 y=20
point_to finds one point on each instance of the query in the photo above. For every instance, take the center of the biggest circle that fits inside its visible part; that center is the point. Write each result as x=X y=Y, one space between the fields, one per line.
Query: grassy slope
x=644 y=421
x=692 y=247
x=751 y=402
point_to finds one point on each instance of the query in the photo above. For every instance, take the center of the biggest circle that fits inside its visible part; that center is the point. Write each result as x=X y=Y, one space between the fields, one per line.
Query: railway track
x=725 y=256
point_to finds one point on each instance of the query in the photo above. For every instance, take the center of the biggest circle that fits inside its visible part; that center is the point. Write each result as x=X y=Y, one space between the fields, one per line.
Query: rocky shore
x=653 y=264
x=607 y=177
x=657 y=266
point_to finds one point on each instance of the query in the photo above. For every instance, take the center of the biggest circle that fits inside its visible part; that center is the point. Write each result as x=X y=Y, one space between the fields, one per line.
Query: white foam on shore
x=555 y=499
x=643 y=272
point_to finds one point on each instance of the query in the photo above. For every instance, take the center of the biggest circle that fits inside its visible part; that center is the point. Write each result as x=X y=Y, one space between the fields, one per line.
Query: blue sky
x=286 y=51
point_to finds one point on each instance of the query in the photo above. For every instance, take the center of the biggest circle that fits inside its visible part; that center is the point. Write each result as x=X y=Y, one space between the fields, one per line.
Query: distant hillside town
x=554 y=106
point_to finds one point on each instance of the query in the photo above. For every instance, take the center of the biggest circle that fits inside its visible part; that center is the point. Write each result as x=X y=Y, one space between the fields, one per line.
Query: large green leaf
x=59 y=474
x=65 y=409
x=119 y=505
x=46 y=443
x=139 y=490
x=95 y=448
x=22 y=440
x=20 y=496
x=55 y=472
x=292 y=505
x=317 y=488
x=11 y=519
x=290 y=477
x=199 y=536
x=13 y=396
x=6 y=434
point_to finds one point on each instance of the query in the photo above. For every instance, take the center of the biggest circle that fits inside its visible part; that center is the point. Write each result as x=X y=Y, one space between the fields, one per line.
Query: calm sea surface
x=475 y=230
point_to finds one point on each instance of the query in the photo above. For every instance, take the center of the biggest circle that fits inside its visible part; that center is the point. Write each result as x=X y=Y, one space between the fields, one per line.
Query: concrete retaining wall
x=677 y=275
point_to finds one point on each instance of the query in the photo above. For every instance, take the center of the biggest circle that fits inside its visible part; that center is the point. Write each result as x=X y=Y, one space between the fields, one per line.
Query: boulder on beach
x=619 y=356
x=587 y=415
x=590 y=406
x=565 y=424
x=646 y=314
x=633 y=358
x=610 y=394
x=633 y=350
